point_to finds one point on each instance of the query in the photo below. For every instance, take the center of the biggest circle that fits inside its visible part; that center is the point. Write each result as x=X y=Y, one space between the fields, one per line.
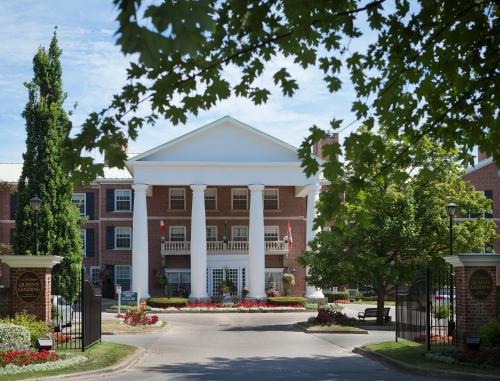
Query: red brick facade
x=291 y=209
x=487 y=178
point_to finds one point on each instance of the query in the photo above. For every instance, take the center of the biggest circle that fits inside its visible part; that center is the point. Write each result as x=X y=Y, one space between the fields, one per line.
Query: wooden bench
x=372 y=313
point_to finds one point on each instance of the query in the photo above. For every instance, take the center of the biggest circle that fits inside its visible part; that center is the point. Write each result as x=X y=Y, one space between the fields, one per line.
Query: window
x=271 y=199
x=177 y=233
x=211 y=233
x=271 y=233
x=123 y=199
x=83 y=237
x=123 y=238
x=177 y=198
x=240 y=199
x=95 y=276
x=240 y=233
x=179 y=283
x=210 y=199
x=78 y=200
x=489 y=195
x=123 y=277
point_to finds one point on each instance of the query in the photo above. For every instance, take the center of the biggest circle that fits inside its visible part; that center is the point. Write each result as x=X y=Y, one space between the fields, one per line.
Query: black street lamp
x=451 y=209
x=35 y=204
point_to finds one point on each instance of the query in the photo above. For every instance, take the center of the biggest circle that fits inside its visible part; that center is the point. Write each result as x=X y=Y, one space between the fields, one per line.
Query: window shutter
x=89 y=244
x=12 y=236
x=110 y=200
x=110 y=237
x=89 y=204
x=132 y=200
x=13 y=205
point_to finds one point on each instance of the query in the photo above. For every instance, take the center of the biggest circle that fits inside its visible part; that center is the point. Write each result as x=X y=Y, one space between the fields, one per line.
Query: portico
x=226 y=153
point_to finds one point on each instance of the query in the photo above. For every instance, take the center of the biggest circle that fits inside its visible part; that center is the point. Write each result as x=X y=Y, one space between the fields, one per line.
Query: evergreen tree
x=47 y=127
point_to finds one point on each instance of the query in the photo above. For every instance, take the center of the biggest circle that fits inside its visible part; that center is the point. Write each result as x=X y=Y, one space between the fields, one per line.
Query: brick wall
x=487 y=178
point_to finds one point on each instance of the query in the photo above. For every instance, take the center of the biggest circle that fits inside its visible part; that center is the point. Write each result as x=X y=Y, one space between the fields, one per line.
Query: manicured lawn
x=414 y=353
x=99 y=356
x=333 y=328
x=113 y=326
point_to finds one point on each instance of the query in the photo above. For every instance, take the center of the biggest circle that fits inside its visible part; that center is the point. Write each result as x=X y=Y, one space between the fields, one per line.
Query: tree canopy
x=401 y=219
x=47 y=126
x=431 y=71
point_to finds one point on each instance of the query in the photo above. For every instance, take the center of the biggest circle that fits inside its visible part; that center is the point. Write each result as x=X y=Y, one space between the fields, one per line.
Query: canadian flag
x=162 y=226
x=290 y=238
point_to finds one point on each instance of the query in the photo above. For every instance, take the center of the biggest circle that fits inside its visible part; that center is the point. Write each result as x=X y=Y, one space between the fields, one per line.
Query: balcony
x=222 y=248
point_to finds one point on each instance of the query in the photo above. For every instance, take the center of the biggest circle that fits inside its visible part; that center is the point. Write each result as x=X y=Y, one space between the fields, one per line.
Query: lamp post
x=35 y=204
x=451 y=209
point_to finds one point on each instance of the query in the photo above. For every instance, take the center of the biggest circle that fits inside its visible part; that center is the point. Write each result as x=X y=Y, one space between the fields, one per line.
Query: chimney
x=481 y=156
x=123 y=147
x=318 y=147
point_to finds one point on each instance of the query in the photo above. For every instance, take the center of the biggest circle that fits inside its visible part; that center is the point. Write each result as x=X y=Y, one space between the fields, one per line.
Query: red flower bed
x=136 y=316
x=22 y=358
x=60 y=337
x=343 y=301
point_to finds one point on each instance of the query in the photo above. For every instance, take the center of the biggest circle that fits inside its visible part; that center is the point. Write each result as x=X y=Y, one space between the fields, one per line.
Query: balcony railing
x=220 y=247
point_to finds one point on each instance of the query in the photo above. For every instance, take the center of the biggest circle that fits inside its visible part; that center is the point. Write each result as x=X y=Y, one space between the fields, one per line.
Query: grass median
x=101 y=355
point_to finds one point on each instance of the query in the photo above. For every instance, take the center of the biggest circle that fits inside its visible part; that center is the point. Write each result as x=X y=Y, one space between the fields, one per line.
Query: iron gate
x=425 y=308
x=76 y=312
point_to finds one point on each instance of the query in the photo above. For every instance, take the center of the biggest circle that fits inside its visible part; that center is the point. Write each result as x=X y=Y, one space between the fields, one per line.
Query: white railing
x=220 y=247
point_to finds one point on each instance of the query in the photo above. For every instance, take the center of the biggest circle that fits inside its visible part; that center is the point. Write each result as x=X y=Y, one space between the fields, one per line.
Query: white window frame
x=129 y=191
x=83 y=236
x=174 y=227
x=273 y=227
x=215 y=228
x=277 y=197
x=92 y=268
x=233 y=191
x=116 y=237
x=130 y=272
x=84 y=202
x=170 y=197
x=238 y=227
x=215 y=193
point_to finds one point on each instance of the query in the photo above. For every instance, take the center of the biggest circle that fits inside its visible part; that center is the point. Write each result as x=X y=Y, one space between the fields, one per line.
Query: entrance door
x=216 y=275
x=108 y=282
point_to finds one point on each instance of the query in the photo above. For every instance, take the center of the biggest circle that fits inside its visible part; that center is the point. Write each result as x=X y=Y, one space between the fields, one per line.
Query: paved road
x=252 y=347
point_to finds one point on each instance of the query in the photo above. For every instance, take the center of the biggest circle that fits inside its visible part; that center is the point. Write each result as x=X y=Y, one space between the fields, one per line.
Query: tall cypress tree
x=47 y=127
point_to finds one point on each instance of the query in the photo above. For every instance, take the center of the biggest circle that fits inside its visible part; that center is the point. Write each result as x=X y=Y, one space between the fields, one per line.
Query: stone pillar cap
x=31 y=261
x=473 y=260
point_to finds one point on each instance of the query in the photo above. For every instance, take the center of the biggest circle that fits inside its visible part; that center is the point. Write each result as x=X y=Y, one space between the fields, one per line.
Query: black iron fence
x=425 y=308
x=76 y=319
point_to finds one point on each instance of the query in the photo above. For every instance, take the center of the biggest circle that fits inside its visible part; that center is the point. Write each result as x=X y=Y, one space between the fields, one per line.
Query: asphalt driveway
x=252 y=347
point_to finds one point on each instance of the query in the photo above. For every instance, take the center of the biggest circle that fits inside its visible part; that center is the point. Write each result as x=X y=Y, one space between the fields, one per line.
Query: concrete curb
x=422 y=370
x=122 y=366
x=352 y=332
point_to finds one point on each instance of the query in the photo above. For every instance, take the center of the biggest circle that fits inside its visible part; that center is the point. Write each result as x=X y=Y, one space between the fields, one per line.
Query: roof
x=483 y=163
x=11 y=172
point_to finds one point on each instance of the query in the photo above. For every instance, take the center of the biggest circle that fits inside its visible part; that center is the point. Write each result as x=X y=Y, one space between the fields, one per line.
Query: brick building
x=485 y=177
x=221 y=199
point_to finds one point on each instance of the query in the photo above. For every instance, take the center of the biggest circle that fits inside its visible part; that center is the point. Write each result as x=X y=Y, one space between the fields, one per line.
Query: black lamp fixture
x=451 y=209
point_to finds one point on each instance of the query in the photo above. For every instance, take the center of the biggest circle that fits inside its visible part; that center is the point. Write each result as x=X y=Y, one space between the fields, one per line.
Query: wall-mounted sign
x=28 y=287
x=480 y=284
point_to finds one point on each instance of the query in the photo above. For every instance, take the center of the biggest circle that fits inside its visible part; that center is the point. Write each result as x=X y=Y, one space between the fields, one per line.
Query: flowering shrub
x=138 y=316
x=14 y=337
x=24 y=357
x=35 y=327
x=329 y=314
x=14 y=369
x=60 y=337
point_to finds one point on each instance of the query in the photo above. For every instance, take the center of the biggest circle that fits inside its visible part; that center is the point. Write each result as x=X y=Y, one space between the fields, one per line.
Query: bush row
x=167 y=302
x=286 y=300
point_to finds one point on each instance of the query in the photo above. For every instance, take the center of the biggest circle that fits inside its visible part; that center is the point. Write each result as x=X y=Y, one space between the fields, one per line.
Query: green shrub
x=332 y=297
x=441 y=311
x=216 y=299
x=286 y=300
x=167 y=302
x=35 y=327
x=14 y=337
x=490 y=333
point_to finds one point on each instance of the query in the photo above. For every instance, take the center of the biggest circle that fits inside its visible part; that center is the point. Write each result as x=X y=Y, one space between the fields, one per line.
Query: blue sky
x=94 y=69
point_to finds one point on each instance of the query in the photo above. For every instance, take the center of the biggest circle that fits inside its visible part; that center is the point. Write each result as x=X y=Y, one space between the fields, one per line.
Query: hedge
x=167 y=302
x=286 y=300
x=337 y=296
x=35 y=327
x=14 y=337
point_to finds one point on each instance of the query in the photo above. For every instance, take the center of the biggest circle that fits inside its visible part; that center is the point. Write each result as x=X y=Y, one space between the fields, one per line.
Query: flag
x=162 y=227
x=290 y=238
x=225 y=233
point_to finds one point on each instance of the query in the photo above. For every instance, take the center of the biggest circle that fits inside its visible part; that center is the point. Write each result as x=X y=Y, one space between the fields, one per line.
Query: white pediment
x=223 y=141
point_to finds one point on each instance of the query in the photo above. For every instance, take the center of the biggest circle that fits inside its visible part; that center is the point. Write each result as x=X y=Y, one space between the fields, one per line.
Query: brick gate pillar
x=477 y=292
x=30 y=284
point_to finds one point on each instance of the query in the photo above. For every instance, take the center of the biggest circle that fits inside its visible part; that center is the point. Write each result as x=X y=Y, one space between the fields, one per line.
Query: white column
x=140 y=253
x=198 y=245
x=256 y=249
x=312 y=198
